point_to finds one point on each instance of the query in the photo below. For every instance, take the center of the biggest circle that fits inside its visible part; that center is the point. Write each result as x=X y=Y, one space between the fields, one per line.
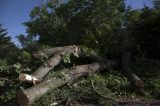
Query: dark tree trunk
x=126 y=70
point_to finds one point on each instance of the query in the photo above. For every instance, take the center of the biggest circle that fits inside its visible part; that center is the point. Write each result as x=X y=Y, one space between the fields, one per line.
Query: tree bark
x=47 y=66
x=28 y=96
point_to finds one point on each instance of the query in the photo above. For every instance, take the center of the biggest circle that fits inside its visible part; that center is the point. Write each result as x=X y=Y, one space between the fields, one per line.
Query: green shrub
x=25 y=56
x=3 y=63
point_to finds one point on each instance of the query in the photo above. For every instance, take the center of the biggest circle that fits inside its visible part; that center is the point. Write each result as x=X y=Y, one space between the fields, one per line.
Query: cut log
x=47 y=66
x=126 y=70
x=28 y=96
x=67 y=49
x=26 y=77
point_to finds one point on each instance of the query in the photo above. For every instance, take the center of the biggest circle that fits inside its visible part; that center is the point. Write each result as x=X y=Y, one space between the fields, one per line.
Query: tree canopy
x=78 y=22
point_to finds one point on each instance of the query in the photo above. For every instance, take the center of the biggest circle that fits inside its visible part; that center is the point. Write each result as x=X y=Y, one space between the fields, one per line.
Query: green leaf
x=66 y=58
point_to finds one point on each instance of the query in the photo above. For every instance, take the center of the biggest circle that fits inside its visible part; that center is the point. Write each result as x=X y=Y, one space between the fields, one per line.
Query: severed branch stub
x=27 y=78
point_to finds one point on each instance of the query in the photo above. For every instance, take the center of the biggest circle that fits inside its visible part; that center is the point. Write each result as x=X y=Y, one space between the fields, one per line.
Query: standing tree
x=144 y=29
x=7 y=49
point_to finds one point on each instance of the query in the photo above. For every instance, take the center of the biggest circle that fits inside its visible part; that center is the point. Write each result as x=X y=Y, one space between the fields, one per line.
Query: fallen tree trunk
x=28 y=96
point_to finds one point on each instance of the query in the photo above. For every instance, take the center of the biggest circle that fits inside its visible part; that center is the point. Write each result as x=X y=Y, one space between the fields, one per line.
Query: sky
x=14 y=12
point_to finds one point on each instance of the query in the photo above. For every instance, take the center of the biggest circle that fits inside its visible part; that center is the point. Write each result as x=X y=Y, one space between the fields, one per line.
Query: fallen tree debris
x=28 y=96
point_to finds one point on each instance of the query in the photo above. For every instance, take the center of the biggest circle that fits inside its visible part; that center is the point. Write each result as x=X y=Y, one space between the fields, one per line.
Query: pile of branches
x=41 y=87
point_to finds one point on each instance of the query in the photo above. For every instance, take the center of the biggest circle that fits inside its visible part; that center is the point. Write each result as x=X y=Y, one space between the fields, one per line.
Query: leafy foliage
x=83 y=22
x=144 y=27
x=28 y=42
